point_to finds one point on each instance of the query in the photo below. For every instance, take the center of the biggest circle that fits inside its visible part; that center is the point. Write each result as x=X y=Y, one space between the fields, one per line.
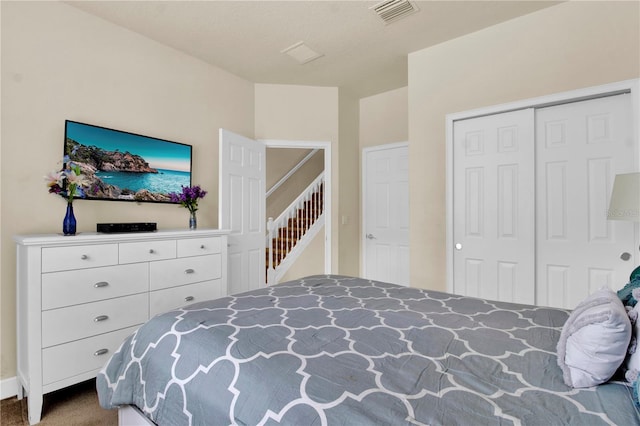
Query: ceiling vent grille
x=302 y=53
x=392 y=10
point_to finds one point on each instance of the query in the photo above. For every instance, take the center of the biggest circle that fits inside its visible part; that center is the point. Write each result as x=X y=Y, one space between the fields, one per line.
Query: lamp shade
x=625 y=198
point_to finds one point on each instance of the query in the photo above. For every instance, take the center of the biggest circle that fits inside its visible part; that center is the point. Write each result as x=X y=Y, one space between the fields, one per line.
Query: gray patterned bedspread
x=340 y=350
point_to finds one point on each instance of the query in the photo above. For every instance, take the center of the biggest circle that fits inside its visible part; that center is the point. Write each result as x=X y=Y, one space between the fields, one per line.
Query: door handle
x=458 y=246
x=625 y=256
x=371 y=237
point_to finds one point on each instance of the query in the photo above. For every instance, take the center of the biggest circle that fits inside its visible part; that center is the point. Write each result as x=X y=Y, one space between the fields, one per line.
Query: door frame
x=363 y=211
x=326 y=147
x=617 y=88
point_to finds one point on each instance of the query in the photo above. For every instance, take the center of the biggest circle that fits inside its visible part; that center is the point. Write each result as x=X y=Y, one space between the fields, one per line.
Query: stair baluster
x=292 y=225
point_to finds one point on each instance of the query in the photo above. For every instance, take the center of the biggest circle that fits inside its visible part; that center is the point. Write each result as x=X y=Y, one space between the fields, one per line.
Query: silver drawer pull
x=100 y=352
x=189 y=298
x=101 y=284
x=202 y=247
x=84 y=257
x=189 y=271
x=151 y=251
x=101 y=318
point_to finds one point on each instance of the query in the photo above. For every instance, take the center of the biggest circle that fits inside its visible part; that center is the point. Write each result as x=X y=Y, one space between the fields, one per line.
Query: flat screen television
x=123 y=166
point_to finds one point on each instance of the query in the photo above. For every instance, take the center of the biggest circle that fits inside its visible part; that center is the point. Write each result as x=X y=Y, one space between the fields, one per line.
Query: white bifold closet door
x=494 y=217
x=580 y=147
x=531 y=192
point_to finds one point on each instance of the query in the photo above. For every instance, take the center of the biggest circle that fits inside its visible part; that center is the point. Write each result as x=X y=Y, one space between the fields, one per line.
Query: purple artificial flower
x=188 y=197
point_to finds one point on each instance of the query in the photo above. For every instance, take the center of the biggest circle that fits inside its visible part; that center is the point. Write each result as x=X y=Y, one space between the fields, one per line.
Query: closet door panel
x=494 y=207
x=581 y=146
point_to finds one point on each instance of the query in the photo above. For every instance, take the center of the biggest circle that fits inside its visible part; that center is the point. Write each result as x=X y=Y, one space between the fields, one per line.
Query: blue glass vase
x=69 y=222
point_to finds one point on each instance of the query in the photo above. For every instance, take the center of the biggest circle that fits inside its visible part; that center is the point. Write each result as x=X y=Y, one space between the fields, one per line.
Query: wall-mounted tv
x=124 y=166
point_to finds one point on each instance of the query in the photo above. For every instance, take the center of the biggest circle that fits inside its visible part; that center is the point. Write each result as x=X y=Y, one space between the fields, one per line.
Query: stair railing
x=291 y=172
x=287 y=229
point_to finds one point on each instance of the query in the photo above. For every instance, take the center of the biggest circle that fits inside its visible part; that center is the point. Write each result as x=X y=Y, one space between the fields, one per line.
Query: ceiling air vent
x=301 y=53
x=392 y=10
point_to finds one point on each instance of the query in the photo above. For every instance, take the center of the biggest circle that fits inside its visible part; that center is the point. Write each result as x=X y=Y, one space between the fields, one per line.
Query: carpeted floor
x=75 y=405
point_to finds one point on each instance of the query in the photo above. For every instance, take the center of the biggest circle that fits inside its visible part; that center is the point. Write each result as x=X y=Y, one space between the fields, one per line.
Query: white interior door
x=493 y=207
x=386 y=213
x=581 y=146
x=242 y=209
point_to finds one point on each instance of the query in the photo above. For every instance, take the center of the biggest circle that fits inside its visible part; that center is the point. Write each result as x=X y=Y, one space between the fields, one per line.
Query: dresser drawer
x=82 y=356
x=198 y=246
x=147 y=251
x=78 y=257
x=68 y=288
x=171 y=298
x=182 y=271
x=80 y=321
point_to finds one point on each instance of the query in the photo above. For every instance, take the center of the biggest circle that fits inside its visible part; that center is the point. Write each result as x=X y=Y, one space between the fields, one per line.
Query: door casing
x=326 y=147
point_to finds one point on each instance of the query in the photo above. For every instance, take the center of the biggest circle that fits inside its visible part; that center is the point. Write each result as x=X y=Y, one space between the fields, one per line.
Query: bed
x=343 y=350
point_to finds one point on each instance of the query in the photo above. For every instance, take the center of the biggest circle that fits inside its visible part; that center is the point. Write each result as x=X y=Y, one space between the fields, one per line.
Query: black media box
x=111 y=228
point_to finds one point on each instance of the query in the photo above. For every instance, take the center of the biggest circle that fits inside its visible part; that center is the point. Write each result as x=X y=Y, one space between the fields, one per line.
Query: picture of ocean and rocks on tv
x=126 y=166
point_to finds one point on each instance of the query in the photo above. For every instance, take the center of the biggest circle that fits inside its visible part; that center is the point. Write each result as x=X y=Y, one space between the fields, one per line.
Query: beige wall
x=565 y=47
x=59 y=63
x=312 y=263
x=384 y=118
x=320 y=114
x=349 y=210
x=284 y=112
x=279 y=162
x=282 y=197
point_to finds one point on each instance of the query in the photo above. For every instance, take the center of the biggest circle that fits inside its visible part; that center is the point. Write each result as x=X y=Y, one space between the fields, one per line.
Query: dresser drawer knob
x=101 y=284
x=100 y=318
x=202 y=247
x=189 y=298
x=84 y=257
x=100 y=352
x=151 y=251
x=189 y=271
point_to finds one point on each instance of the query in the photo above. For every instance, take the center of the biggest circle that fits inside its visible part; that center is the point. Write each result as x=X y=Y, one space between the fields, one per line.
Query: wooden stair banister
x=292 y=225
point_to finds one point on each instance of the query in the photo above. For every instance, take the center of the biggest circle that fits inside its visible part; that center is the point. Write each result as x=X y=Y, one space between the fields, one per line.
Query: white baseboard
x=8 y=387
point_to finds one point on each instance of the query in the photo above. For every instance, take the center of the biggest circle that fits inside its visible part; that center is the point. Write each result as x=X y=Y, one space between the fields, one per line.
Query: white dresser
x=80 y=296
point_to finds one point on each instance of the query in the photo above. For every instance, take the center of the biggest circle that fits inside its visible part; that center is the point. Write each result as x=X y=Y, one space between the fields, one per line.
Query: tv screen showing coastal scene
x=125 y=166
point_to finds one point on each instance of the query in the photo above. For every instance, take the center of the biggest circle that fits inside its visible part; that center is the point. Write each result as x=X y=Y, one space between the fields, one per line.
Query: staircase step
x=301 y=221
x=291 y=232
x=287 y=236
x=308 y=213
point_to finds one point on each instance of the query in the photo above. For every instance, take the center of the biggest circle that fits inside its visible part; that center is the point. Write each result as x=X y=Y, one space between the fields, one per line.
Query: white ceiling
x=361 y=53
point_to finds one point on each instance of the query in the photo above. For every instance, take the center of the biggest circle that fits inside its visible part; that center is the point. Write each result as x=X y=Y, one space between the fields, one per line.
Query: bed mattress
x=341 y=350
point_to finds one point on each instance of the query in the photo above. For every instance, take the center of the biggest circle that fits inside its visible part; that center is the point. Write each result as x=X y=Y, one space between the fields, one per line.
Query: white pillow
x=632 y=363
x=594 y=340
